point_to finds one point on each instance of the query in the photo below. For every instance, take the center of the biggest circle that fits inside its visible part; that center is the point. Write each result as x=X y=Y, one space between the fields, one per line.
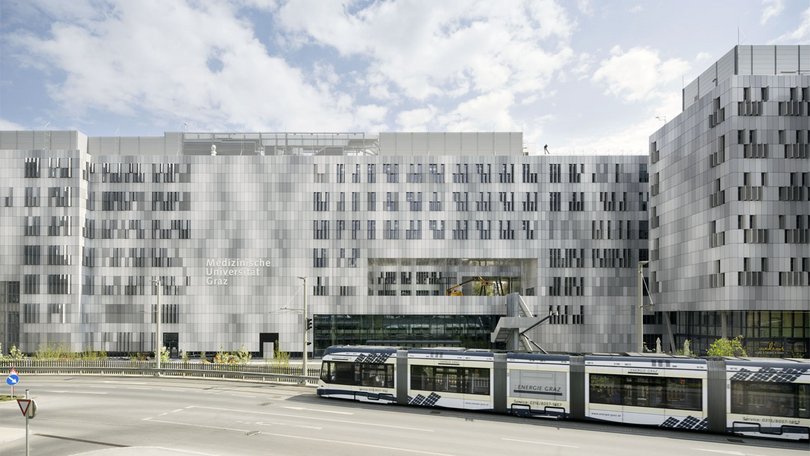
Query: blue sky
x=587 y=76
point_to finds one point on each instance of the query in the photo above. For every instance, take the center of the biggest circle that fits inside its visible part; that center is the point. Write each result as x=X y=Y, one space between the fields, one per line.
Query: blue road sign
x=13 y=379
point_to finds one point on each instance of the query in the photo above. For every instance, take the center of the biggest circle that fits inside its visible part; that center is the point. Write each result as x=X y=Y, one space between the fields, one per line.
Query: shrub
x=727 y=347
x=280 y=359
x=13 y=355
x=54 y=351
x=241 y=356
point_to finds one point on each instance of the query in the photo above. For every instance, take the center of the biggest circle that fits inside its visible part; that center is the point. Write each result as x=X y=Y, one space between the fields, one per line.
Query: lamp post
x=158 y=344
x=305 y=328
x=640 y=308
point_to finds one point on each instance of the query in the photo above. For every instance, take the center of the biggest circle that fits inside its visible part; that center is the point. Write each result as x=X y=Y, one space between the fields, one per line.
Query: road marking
x=171 y=450
x=114 y=382
x=361 y=423
x=368 y=445
x=535 y=442
x=734 y=453
x=319 y=410
x=196 y=425
x=262 y=423
x=343 y=442
x=72 y=392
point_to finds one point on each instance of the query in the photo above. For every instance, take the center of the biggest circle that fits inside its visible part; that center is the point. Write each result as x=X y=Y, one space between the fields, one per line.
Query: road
x=127 y=416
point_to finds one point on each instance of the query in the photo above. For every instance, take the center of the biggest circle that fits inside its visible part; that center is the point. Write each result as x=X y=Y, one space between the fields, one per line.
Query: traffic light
x=309 y=324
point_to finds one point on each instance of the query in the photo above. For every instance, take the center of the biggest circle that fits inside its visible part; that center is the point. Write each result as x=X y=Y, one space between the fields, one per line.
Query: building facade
x=730 y=205
x=403 y=238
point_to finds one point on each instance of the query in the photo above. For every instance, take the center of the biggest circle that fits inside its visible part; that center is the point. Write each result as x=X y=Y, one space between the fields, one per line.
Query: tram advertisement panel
x=538 y=387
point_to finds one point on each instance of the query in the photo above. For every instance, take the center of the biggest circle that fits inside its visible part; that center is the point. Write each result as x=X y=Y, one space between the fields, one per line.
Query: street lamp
x=640 y=309
x=306 y=330
x=158 y=344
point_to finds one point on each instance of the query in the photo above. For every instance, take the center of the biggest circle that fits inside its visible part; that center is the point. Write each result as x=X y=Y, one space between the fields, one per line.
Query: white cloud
x=9 y=125
x=488 y=112
x=202 y=62
x=452 y=48
x=772 y=8
x=585 y=7
x=150 y=56
x=801 y=35
x=583 y=65
x=636 y=75
x=635 y=9
x=416 y=119
x=632 y=139
x=702 y=56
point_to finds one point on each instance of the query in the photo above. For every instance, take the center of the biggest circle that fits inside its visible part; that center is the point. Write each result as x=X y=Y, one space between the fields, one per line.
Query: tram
x=744 y=396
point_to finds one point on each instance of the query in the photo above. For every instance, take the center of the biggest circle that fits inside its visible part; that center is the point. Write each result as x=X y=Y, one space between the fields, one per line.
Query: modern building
x=400 y=238
x=730 y=205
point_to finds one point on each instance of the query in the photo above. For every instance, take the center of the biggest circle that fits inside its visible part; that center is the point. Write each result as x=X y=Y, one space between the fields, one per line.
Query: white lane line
x=535 y=442
x=312 y=418
x=168 y=450
x=269 y=423
x=734 y=453
x=72 y=392
x=318 y=410
x=367 y=445
x=313 y=439
x=196 y=425
x=114 y=382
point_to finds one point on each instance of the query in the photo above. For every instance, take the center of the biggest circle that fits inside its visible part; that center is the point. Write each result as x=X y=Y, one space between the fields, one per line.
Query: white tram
x=756 y=397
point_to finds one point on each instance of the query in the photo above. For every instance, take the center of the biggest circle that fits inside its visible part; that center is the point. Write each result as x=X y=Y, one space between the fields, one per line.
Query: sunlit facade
x=730 y=205
x=403 y=238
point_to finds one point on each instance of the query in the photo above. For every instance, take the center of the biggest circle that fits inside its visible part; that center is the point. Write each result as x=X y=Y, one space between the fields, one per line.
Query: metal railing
x=291 y=375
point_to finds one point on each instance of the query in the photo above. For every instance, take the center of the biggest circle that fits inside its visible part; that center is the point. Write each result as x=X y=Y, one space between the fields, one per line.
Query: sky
x=581 y=76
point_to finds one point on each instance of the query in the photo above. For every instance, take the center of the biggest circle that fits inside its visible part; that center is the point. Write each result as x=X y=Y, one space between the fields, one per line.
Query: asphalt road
x=115 y=416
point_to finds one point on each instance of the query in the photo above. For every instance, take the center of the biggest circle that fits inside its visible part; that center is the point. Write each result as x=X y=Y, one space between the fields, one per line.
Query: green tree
x=727 y=347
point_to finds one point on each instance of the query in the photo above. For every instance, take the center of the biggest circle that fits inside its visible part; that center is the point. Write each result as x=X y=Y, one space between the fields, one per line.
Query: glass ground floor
x=470 y=331
x=781 y=334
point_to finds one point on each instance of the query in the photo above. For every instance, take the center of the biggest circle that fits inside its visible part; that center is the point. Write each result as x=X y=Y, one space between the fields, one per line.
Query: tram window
x=684 y=393
x=606 y=389
x=422 y=378
x=447 y=379
x=644 y=392
x=340 y=373
x=450 y=379
x=377 y=375
x=374 y=375
x=770 y=399
x=653 y=392
x=476 y=381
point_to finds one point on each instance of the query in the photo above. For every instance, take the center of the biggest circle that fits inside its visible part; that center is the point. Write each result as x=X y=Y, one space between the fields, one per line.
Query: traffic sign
x=13 y=379
x=24 y=405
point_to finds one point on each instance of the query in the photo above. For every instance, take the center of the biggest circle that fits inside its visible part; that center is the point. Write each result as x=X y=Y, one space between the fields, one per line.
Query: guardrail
x=254 y=372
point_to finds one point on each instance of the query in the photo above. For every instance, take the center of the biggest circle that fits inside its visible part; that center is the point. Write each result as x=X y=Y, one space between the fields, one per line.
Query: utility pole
x=158 y=342
x=27 y=447
x=640 y=308
x=305 y=327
